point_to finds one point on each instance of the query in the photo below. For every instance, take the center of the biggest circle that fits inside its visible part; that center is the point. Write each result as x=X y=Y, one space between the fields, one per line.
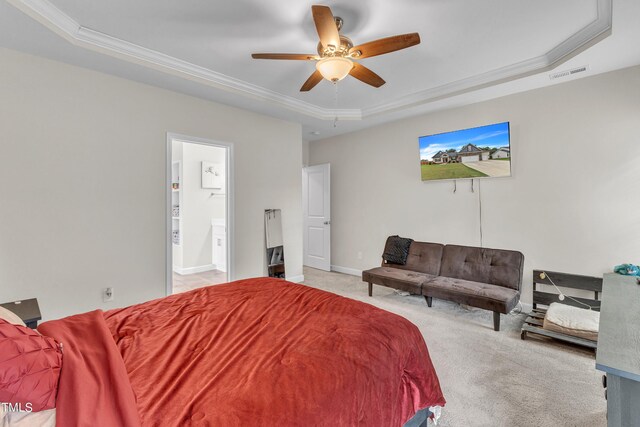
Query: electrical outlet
x=359 y=255
x=107 y=294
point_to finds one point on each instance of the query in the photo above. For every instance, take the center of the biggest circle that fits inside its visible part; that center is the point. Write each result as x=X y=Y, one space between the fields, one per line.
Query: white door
x=317 y=216
x=469 y=159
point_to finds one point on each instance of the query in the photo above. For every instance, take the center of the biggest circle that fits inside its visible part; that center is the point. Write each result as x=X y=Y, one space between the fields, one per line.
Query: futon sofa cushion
x=404 y=280
x=493 y=266
x=476 y=294
x=423 y=257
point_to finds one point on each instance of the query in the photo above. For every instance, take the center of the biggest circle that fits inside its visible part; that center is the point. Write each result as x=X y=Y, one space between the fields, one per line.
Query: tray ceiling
x=465 y=46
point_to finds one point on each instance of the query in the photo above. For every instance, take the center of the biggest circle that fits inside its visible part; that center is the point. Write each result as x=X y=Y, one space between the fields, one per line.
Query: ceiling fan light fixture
x=337 y=56
x=334 y=68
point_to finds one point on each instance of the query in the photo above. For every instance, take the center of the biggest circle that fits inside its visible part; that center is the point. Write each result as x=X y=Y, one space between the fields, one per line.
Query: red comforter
x=254 y=352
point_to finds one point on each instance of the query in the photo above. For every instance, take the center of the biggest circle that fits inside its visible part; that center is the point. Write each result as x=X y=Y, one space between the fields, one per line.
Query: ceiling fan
x=337 y=55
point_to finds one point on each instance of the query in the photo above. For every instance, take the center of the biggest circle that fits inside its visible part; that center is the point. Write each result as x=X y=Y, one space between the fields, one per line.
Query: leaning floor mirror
x=275 y=249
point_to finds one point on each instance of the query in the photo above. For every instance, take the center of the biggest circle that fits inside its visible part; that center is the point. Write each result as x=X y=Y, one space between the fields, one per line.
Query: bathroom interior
x=198 y=215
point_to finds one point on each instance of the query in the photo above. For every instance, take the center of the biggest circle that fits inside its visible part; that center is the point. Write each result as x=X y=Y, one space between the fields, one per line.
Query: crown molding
x=49 y=16
x=586 y=37
x=54 y=19
x=60 y=23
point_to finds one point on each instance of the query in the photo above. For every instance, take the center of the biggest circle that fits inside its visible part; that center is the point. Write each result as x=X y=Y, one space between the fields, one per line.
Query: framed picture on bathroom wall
x=212 y=175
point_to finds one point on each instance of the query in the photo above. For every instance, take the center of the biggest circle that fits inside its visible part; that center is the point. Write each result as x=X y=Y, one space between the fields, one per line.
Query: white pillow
x=573 y=317
x=10 y=317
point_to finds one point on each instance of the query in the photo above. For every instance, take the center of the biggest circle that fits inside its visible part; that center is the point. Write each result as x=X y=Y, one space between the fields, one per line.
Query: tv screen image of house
x=482 y=152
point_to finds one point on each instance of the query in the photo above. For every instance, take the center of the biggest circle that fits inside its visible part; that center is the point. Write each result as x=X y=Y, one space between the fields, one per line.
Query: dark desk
x=28 y=310
x=619 y=348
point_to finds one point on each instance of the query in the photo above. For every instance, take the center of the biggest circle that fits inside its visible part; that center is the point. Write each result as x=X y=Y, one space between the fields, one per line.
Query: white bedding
x=45 y=418
x=579 y=322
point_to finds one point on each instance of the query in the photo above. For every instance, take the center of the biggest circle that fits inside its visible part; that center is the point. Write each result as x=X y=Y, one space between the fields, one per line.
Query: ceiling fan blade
x=294 y=56
x=326 y=26
x=386 y=45
x=365 y=75
x=313 y=80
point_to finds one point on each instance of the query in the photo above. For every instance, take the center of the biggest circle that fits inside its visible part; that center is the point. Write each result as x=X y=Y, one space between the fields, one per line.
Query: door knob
x=327 y=222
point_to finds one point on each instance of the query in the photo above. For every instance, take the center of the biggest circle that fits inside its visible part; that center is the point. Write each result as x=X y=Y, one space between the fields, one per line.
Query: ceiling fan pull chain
x=335 y=105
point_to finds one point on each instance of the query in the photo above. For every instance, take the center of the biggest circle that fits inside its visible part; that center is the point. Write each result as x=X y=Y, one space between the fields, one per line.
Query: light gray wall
x=82 y=183
x=305 y=153
x=571 y=205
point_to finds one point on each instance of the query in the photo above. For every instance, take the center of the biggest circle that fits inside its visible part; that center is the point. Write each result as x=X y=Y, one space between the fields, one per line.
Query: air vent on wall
x=568 y=72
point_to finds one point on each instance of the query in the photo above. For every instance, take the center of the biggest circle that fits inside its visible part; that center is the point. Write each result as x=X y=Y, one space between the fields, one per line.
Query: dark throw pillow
x=396 y=250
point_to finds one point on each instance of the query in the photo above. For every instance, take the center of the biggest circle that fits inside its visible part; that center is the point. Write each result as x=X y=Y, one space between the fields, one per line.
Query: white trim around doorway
x=228 y=146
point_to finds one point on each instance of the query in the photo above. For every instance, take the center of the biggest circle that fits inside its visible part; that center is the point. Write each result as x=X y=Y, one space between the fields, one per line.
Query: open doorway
x=199 y=213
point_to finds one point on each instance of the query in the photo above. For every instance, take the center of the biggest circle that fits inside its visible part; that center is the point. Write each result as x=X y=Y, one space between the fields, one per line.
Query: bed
x=253 y=352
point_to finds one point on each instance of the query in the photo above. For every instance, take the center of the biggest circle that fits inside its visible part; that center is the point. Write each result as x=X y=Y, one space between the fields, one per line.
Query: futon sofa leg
x=429 y=300
x=496 y=321
x=370 y=289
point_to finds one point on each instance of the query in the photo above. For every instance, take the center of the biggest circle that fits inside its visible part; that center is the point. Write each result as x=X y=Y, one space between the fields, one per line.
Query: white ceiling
x=470 y=51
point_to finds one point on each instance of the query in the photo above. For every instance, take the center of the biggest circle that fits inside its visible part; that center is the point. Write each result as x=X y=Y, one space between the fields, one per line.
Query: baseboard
x=346 y=270
x=296 y=279
x=193 y=270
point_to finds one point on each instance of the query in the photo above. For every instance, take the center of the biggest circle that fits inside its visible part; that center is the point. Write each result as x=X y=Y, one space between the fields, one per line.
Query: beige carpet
x=490 y=378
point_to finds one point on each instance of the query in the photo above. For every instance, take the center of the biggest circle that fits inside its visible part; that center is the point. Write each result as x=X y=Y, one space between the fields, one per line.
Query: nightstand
x=28 y=310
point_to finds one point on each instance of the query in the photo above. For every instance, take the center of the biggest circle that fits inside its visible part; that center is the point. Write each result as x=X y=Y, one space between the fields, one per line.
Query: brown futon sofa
x=479 y=277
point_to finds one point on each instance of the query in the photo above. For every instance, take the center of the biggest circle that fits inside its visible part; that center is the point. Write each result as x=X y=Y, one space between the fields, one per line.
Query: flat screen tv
x=482 y=152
